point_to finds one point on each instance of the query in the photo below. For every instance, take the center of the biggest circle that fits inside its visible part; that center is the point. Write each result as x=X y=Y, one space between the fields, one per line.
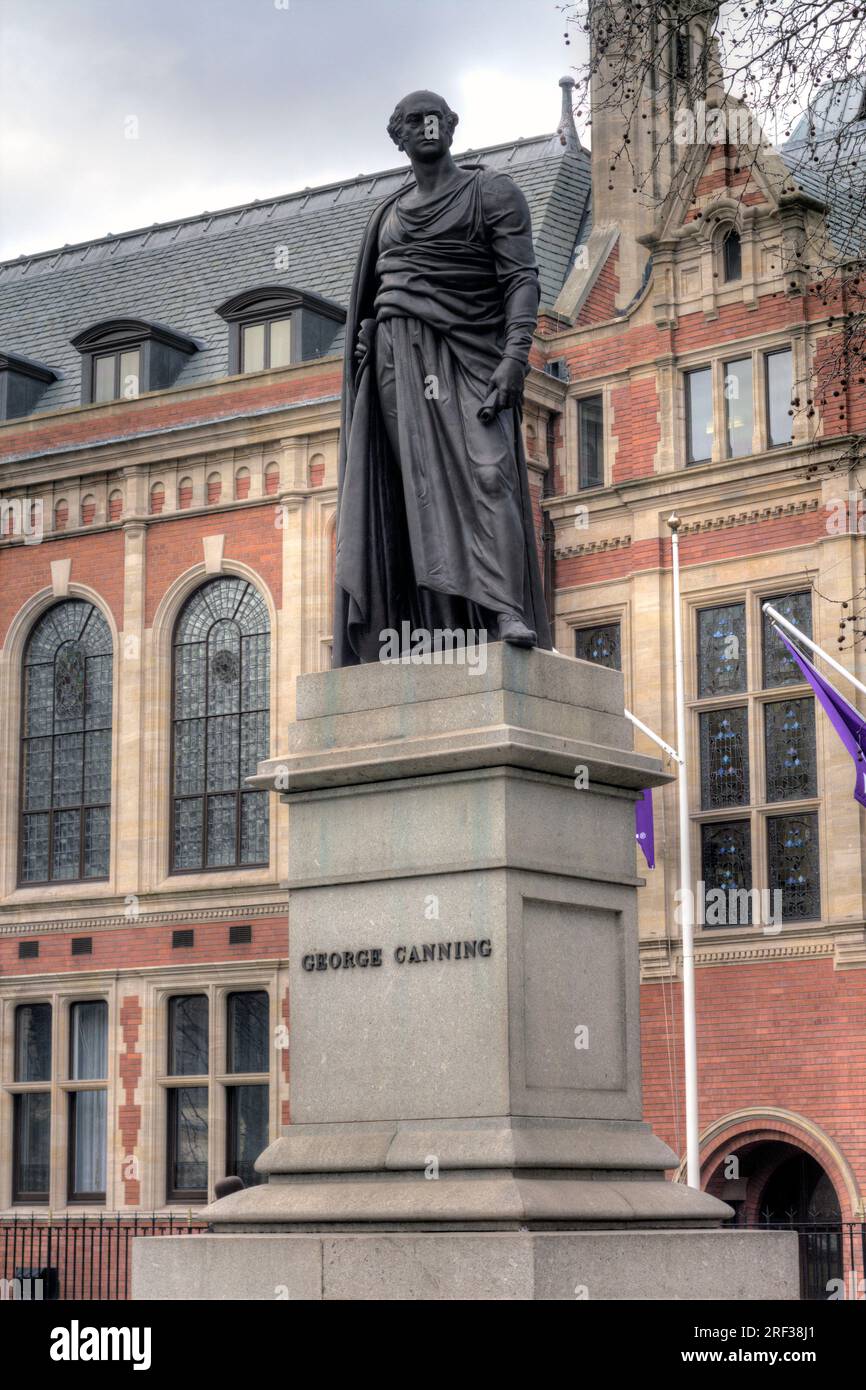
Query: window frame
x=766 y=354
x=266 y=323
x=218 y=1080
x=688 y=373
x=580 y=403
x=755 y=696
x=117 y=354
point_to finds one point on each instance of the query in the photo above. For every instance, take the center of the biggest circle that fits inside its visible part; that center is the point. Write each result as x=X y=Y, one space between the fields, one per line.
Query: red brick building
x=168 y=477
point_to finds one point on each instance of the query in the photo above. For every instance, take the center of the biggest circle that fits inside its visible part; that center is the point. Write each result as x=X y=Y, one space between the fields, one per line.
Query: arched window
x=220 y=727
x=732 y=256
x=66 y=746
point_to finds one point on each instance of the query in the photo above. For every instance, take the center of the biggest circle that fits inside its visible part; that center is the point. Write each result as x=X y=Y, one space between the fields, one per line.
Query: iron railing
x=77 y=1257
x=832 y=1257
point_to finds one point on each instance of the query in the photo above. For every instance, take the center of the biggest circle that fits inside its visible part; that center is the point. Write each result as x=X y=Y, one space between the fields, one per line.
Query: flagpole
x=649 y=733
x=686 y=894
x=813 y=646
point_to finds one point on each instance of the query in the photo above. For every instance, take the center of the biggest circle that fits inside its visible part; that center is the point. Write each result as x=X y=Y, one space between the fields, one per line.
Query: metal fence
x=832 y=1257
x=77 y=1257
x=88 y=1257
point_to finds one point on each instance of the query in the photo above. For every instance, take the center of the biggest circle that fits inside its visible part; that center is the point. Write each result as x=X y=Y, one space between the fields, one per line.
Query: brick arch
x=771 y=1125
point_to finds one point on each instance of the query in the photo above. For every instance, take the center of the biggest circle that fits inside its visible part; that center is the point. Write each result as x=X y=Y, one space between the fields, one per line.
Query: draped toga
x=435 y=523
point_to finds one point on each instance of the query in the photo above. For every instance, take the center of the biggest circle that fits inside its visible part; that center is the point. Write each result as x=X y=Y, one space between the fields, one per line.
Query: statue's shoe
x=512 y=630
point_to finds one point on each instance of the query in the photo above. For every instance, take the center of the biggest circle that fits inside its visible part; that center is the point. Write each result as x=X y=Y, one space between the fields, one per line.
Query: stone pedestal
x=464 y=1004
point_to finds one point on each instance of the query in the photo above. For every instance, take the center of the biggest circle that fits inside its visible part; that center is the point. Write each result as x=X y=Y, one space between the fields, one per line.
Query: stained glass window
x=726 y=861
x=792 y=852
x=790 y=749
x=779 y=667
x=599 y=644
x=66 y=753
x=724 y=757
x=722 y=650
x=221 y=727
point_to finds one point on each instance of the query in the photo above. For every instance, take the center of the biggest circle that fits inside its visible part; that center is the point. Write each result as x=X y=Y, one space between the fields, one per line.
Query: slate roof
x=178 y=272
x=826 y=155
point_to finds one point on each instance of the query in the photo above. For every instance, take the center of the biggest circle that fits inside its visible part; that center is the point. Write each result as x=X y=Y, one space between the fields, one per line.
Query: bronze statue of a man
x=435 y=524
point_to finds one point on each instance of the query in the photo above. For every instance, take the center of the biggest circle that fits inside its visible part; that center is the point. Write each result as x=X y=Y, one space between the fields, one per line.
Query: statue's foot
x=512 y=630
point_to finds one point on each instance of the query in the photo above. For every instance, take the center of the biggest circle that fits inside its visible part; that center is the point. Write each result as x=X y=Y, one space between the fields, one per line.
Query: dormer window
x=732 y=259
x=22 y=382
x=121 y=358
x=274 y=326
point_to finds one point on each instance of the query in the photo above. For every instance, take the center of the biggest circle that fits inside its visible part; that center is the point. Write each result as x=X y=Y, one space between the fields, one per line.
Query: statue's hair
x=396 y=121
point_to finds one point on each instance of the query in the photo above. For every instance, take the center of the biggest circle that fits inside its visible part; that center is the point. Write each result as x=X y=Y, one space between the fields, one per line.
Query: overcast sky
x=120 y=113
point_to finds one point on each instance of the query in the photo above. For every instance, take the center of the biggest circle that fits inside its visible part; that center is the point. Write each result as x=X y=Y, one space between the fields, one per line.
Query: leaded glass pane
x=66 y=845
x=599 y=644
x=724 y=757
x=248 y=1131
x=188 y=829
x=39 y=699
x=224 y=668
x=254 y=742
x=779 y=667
x=33 y=1042
x=223 y=753
x=722 y=650
x=254 y=828
x=34 y=848
x=69 y=669
x=189 y=746
x=221 y=831
x=96 y=842
x=188 y=1035
x=37 y=774
x=789 y=727
x=726 y=864
x=68 y=769
x=68 y=689
x=247 y=1032
x=255 y=668
x=189 y=680
x=222 y=672
x=97 y=768
x=792 y=852
x=98 y=703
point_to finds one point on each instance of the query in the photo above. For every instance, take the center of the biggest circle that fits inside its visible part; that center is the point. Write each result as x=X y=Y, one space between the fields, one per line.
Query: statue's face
x=426 y=127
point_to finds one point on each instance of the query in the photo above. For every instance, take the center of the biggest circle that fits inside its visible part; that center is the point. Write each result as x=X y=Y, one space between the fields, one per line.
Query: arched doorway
x=773 y=1183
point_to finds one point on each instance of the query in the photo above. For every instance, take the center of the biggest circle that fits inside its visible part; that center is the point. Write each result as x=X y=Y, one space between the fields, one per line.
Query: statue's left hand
x=504 y=390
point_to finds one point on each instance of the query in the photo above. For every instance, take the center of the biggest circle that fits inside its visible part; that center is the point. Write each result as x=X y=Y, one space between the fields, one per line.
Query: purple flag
x=643 y=826
x=848 y=723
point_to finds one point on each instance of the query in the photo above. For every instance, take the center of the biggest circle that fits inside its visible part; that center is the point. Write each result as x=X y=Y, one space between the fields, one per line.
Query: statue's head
x=423 y=125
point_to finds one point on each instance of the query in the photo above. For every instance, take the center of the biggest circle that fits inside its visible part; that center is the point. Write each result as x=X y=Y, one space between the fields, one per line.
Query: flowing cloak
x=453 y=515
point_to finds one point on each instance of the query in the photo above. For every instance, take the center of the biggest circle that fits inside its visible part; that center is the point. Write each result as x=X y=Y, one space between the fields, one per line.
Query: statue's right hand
x=365 y=339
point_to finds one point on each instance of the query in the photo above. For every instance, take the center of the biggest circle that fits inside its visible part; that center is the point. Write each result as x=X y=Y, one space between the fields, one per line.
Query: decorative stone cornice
x=203 y=916
x=565 y=552
x=725 y=520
